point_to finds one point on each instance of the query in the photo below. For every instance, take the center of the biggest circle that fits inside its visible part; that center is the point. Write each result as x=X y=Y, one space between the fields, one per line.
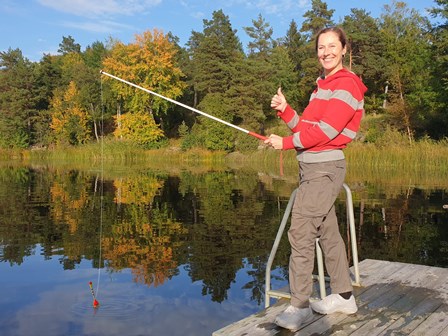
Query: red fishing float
x=95 y=302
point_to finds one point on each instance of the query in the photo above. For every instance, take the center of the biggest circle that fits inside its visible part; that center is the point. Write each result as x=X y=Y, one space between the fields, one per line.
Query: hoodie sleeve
x=290 y=117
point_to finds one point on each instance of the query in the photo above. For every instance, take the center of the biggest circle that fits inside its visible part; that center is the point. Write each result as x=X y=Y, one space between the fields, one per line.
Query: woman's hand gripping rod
x=256 y=135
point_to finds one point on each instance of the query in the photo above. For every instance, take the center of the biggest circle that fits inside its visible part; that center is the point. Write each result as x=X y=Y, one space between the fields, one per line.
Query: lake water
x=174 y=253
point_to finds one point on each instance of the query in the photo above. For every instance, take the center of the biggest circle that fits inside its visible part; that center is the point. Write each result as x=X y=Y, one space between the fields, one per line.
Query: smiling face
x=330 y=52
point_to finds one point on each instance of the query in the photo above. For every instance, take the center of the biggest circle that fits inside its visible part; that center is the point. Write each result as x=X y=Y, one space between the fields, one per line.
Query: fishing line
x=95 y=302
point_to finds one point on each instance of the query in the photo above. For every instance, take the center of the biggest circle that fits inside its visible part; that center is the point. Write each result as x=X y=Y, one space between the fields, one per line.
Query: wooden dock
x=394 y=299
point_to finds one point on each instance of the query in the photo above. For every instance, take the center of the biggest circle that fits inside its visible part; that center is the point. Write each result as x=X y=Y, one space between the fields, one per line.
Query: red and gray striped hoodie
x=330 y=121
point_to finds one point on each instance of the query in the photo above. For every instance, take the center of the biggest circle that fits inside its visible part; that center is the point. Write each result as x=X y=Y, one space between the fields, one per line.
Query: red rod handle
x=258 y=136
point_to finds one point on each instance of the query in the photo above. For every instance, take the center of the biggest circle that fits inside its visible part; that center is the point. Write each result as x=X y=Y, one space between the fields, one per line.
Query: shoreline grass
x=425 y=161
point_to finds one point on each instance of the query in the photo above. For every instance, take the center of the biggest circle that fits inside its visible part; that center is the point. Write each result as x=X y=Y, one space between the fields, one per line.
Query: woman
x=327 y=124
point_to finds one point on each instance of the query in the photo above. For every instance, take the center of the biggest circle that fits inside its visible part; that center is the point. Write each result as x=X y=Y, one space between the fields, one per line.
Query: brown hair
x=338 y=31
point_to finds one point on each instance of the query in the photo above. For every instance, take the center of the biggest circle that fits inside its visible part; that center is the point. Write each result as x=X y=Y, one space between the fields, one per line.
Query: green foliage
x=217 y=136
x=401 y=51
x=383 y=135
x=261 y=35
x=245 y=143
x=365 y=49
x=139 y=128
x=193 y=138
x=183 y=130
x=19 y=98
x=407 y=55
x=318 y=17
x=68 y=46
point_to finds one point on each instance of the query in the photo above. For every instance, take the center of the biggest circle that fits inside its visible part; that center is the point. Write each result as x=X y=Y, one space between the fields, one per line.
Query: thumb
x=279 y=92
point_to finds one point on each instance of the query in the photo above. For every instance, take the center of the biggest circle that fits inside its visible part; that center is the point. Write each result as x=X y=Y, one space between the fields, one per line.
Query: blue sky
x=37 y=26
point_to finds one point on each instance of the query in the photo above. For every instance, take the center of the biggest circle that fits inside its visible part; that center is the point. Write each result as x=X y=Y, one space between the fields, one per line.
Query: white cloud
x=105 y=8
x=98 y=26
x=198 y=15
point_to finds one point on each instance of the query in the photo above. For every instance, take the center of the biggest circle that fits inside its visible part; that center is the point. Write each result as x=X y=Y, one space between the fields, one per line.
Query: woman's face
x=330 y=52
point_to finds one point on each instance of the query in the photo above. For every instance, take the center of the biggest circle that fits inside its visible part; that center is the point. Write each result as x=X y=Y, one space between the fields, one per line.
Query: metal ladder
x=319 y=255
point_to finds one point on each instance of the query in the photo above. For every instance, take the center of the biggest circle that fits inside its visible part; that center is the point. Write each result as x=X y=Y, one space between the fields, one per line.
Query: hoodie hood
x=341 y=74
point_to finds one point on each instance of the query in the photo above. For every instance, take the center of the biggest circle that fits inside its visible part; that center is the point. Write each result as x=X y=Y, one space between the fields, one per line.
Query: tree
x=18 y=99
x=94 y=54
x=315 y=19
x=68 y=118
x=261 y=35
x=295 y=42
x=48 y=78
x=150 y=62
x=68 y=45
x=404 y=33
x=257 y=83
x=139 y=128
x=439 y=120
x=216 y=136
x=215 y=55
x=216 y=51
x=365 y=51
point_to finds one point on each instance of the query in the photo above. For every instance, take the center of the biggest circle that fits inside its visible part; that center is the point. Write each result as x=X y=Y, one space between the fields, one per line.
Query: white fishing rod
x=256 y=135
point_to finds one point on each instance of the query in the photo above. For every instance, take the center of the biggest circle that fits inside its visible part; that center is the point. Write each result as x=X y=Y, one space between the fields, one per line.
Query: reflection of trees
x=144 y=242
x=68 y=196
x=75 y=205
x=137 y=190
x=401 y=228
x=232 y=226
x=146 y=236
x=215 y=224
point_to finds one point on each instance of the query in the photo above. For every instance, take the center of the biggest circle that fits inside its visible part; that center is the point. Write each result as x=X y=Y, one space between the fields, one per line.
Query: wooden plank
x=380 y=293
x=265 y=326
x=395 y=299
x=258 y=324
x=389 y=309
x=408 y=322
x=382 y=273
x=434 y=325
x=398 y=304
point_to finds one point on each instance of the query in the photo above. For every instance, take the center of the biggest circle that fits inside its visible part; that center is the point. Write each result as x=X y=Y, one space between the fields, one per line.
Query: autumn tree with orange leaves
x=148 y=62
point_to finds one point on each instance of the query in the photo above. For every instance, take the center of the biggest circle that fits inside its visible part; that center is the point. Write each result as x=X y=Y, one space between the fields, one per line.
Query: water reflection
x=169 y=250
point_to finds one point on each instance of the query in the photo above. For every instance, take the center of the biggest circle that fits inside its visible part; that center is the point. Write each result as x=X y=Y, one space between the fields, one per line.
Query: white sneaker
x=334 y=303
x=292 y=317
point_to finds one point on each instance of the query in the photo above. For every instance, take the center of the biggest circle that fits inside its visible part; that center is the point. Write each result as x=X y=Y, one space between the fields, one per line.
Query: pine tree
x=215 y=55
x=18 y=99
x=295 y=45
x=315 y=19
x=364 y=57
x=216 y=51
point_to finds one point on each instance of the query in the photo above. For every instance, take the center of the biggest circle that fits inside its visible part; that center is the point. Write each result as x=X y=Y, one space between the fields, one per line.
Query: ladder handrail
x=354 y=246
x=276 y=243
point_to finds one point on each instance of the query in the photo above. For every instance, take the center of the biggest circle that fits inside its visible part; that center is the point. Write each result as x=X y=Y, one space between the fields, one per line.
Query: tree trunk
x=406 y=117
x=95 y=128
x=119 y=118
x=350 y=60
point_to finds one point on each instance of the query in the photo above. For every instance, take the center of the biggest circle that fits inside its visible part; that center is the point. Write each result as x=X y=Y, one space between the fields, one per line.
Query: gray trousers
x=313 y=215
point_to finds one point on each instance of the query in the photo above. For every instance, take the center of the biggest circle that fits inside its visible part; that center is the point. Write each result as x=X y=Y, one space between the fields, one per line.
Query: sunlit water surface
x=173 y=254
